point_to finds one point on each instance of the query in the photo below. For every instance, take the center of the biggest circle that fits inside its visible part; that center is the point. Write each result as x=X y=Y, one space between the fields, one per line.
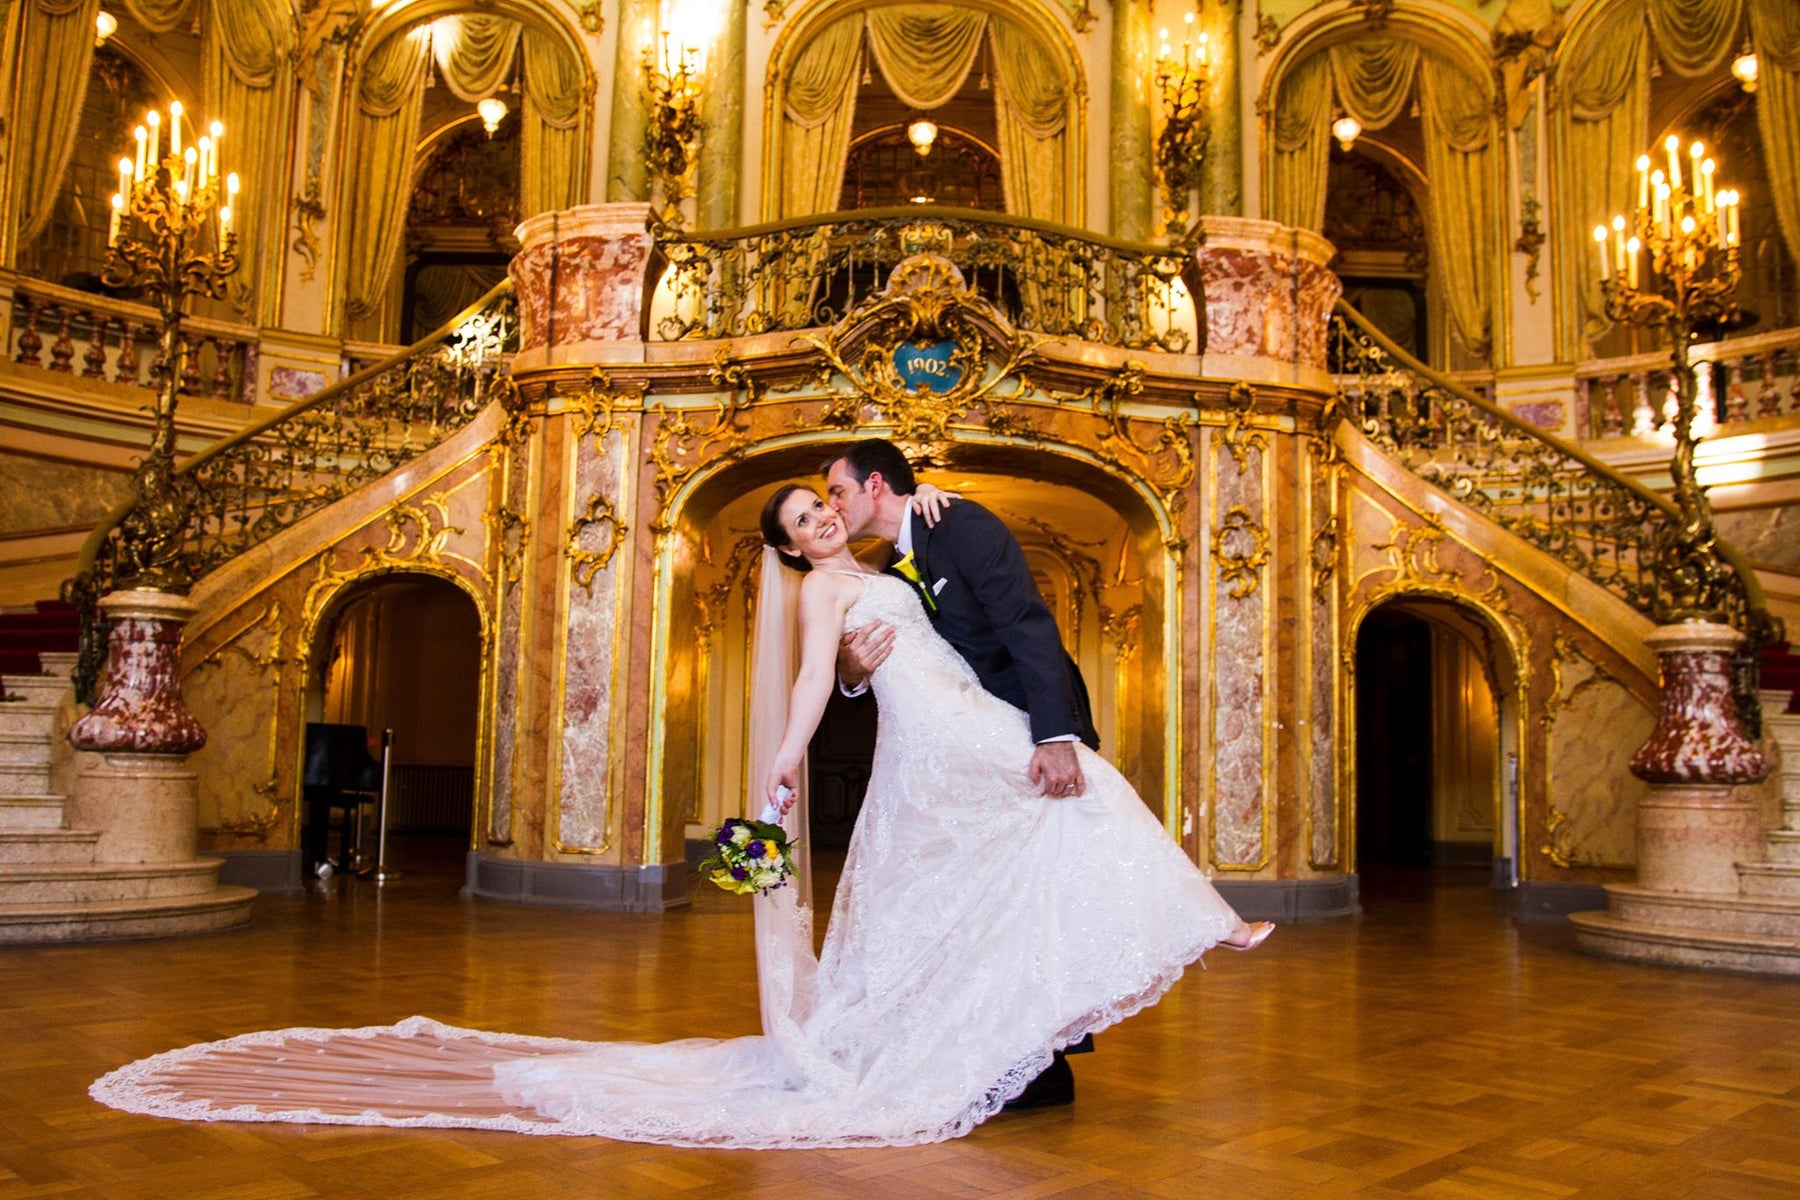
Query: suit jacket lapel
x=921 y=546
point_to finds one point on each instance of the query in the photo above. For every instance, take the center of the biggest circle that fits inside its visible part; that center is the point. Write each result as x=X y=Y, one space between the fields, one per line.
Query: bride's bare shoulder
x=830 y=586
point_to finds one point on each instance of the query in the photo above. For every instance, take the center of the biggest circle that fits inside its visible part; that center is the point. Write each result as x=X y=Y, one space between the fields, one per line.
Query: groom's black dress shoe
x=1054 y=1087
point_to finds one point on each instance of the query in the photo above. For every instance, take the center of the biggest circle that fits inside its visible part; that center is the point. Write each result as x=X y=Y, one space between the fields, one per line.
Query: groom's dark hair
x=867 y=458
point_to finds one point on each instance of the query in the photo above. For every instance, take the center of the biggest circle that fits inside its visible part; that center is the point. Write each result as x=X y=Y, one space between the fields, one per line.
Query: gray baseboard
x=1550 y=903
x=1291 y=900
x=274 y=872
x=578 y=885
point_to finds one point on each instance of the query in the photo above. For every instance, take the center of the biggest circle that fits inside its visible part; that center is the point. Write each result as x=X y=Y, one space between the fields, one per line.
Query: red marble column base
x=140 y=711
x=1690 y=838
x=1697 y=738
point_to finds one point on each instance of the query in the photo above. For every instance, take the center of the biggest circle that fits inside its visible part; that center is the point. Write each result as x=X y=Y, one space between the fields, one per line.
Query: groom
x=971 y=577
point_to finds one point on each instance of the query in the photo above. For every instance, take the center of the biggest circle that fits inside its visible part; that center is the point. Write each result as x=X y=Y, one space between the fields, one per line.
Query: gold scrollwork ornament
x=1241 y=548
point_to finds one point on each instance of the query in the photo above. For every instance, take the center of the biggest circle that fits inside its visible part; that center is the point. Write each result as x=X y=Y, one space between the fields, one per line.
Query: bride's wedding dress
x=978 y=926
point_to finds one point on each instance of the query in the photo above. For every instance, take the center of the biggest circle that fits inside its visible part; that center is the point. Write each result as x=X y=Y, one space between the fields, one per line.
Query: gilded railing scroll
x=249 y=487
x=809 y=272
x=1601 y=524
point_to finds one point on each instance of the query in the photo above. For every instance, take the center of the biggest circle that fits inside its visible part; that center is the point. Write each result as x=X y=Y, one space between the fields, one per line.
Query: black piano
x=339 y=777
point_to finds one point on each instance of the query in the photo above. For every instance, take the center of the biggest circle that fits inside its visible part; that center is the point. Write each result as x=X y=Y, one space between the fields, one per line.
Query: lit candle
x=124 y=177
x=180 y=192
x=1618 y=225
x=1731 y=215
x=1631 y=261
x=154 y=121
x=205 y=160
x=1643 y=168
x=231 y=185
x=118 y=215
x=1673 y=145
x=1605 y=265
x=143 y=136
x=1706 y=184
x=217 y=130
x=224 y=223
x=190 y=164
x=175 y=128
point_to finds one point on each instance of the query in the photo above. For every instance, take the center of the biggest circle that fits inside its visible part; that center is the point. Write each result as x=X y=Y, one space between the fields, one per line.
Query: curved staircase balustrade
x=804 y=272
x=245 y=489
x=1604 y=525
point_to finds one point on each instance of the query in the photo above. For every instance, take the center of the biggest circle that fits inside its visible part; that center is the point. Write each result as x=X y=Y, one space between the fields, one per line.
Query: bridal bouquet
x=749 y=857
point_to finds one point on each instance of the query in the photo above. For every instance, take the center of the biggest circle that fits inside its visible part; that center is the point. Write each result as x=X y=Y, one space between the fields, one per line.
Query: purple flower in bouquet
x=739 y=874
x=755 y=850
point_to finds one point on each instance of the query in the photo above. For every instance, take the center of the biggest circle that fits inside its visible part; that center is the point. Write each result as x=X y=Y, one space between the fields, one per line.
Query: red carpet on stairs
x=1781 y=671
x=52 y=627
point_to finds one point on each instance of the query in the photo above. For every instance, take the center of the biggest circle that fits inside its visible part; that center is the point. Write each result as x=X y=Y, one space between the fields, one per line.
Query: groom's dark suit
x=988 y=607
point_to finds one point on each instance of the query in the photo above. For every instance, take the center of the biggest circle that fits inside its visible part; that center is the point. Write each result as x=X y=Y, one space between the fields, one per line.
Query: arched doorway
x=1093 y=546
x=402 y=653
x=1436 y=746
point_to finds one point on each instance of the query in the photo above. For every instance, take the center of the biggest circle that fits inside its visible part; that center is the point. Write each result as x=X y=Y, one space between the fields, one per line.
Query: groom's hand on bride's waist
x=1056 y=768
x=860 y=652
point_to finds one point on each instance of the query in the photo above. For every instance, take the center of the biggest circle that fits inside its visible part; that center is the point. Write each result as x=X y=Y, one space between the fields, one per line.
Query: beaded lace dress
x=978 y=925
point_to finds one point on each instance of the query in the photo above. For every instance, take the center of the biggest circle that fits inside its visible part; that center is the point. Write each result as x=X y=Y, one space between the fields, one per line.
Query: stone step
x=27 y=716
x=1605 y=934
x=89 y=883
x=1733 y=913
x=39 y=689
x=1782 y=845
x=24 y=810
x=25 y=749
x=1770 y=879
x=47 y=846
x=24 y=779
x=59 y=664
x=208 y=912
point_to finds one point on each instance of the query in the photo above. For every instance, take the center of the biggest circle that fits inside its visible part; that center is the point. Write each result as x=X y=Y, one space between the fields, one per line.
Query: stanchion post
x=382 y=874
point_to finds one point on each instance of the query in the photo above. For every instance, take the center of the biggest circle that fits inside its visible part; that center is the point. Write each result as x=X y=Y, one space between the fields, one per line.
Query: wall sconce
x=1744 y=68
x=105 y=25
x=922 y=133
x=1346 y=129
x=1181 y=146
x=493 y=111
x=672 y=123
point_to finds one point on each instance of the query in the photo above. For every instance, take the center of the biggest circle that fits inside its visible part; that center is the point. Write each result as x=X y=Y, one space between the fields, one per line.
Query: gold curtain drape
x=819 y=110
x=474 y=54
x=1031 y=109
x=925 y=51
x=1375 y=79
x=249 y=84
x=553 y=133
x=50 y=80
x=1458 y=118
x=1605 y=112
x=1775 y=31
x=1695 y=37
x=385 y=127
x=159 y=16
x=1302 y=151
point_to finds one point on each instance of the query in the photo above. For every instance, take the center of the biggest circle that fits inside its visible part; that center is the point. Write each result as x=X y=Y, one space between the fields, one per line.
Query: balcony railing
x=808 y=272
x=1742 y=380
x=95 y=337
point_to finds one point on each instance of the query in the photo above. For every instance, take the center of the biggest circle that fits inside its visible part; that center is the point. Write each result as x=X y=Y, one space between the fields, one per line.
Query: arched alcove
x=1435 y=710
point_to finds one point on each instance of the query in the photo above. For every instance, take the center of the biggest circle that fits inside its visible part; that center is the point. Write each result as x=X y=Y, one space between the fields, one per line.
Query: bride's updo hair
x=773 y=532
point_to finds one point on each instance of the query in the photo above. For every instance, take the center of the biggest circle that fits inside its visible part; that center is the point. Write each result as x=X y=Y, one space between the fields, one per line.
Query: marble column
x=722 y=138
x=579 y=276
x=1132 y=184
x=627 y=175
x=1694 y=823
x=1221 y=172
x=141 y=796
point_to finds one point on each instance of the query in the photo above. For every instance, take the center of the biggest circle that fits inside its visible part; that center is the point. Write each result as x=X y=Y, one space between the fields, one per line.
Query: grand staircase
x=51 y=887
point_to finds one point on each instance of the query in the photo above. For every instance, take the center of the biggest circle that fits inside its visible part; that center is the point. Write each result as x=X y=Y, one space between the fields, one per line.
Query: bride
x=978 y=927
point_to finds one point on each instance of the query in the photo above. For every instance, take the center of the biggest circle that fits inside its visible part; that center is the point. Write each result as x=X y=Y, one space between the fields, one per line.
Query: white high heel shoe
x=1259 y=933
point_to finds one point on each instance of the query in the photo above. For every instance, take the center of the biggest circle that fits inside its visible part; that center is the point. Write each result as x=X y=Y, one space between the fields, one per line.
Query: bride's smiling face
x=813 y=528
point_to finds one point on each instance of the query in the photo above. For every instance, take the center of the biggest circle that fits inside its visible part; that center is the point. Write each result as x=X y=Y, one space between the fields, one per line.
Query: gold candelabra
x=171 y=237
x=1182 y=82
x=1672 y=265
x=672 y=126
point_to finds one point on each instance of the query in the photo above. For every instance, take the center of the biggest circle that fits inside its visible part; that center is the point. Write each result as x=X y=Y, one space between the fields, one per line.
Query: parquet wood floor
x=1428 y=1050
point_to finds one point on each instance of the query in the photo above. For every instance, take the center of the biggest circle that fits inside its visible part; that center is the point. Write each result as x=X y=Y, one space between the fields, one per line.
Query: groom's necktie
x=910 y=571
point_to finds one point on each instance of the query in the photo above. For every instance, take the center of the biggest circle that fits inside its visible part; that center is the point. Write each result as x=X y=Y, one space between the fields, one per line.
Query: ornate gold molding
x=740 y=570
x=679 y=447
x=1240 y=564
x=1324 y=558
x=1564 y=650
x=1237 y=437
x=584 y=563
